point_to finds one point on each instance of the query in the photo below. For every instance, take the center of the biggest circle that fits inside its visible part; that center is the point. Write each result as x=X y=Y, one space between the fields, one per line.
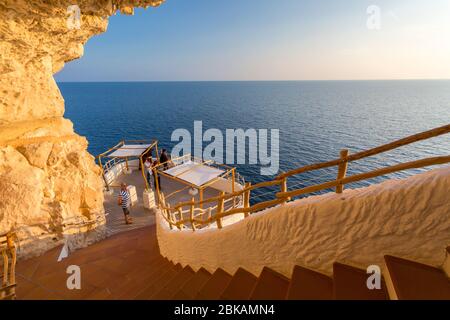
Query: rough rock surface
x=49 y=184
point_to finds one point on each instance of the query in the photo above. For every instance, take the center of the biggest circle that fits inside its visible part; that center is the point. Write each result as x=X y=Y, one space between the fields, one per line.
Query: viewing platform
x=177 y=181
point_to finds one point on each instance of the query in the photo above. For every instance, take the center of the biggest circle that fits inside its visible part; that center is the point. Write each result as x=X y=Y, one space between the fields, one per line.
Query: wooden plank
x=342 y=169
x=200 y=204
x=180 y=225
x=12 y=250
x=176 y=192
x=219 y=211
x=371 y=152
x=247 y=198
x=117 y=146
x=191 y=215
x=284 y=188
x=5 y=267
x=341 y=180
x=236 y=194
x=144 y=173
x=368 y=175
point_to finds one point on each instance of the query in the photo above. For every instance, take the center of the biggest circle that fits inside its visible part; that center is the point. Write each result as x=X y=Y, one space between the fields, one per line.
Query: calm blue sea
x=315 y=118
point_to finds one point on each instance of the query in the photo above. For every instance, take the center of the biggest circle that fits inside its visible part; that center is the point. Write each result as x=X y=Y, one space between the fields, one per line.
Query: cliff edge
x=50 y=185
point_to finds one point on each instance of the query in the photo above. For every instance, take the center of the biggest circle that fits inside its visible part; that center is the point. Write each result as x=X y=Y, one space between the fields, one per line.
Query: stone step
x=155 y=269
x=165 y=279
x=271 y=285
x=160 y=279
x=191 y=288
x=215 y=286
x=350 y=283
x=129 y=266
x=411 y=280
x=167 y=291
x=137 y=275
x=307 y=284
x=240 y=286
x=181 y=295
x=446 y=265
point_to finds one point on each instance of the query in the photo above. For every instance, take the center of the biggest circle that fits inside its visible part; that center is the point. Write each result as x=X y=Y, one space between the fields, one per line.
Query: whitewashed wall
x=409 y=218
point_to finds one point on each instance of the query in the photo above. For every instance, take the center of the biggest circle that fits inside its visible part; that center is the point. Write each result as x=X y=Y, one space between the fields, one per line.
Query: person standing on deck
x=164 y=159
x=148 y=164
x=125 y=202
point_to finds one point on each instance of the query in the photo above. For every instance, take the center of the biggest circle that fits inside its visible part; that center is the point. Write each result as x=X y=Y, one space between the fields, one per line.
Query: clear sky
x=270 y=40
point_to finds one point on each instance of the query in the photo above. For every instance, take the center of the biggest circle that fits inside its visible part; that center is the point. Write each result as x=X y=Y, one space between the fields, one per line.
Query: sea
x=314 y=119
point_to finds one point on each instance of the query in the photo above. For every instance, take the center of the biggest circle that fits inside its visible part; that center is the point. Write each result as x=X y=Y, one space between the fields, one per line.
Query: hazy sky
x=270 y=40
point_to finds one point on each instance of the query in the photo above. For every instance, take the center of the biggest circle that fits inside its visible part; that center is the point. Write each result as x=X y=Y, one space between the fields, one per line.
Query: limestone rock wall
x=49 y=183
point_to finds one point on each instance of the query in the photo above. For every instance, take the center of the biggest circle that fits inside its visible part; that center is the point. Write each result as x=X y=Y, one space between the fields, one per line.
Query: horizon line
x=303 y=80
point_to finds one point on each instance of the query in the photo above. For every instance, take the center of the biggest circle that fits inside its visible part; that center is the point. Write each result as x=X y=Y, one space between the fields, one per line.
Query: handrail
x=368 y=175
x=230 y=195
x=203 y=210
x=284 y=195
x=371 y=152
x=107 y=154
x=9 y=256
x=192 y=220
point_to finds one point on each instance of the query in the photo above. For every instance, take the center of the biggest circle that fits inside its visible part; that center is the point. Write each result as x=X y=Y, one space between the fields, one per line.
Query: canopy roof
x=195 y=173
x=130 y=150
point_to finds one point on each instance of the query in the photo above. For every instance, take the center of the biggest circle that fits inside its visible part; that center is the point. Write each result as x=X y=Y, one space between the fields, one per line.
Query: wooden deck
x=143 y=217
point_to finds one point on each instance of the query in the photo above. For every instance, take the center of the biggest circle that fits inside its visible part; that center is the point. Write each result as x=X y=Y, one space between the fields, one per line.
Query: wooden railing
x=8 y=274
x=285 y=195
x=212 y=209
x=117 y=160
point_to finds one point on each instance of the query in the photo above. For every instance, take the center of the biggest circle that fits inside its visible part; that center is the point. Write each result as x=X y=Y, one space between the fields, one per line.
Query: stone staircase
x=129 y=266
x=410 y=280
